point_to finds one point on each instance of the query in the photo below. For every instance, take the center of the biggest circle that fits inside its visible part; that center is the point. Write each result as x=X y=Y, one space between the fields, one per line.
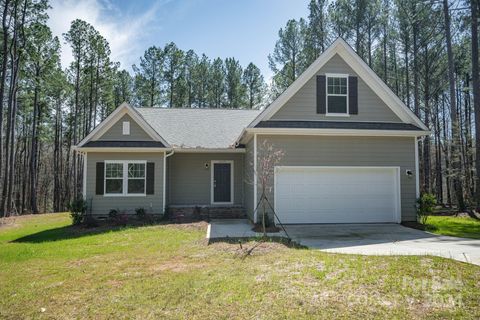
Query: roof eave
x=339 y=132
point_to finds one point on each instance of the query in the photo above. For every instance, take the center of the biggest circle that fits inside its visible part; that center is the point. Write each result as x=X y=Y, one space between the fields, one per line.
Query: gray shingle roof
x=198 y=128
x=337 y=125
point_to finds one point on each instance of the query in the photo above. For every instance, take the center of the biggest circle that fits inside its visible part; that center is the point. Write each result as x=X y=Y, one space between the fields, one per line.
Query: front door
x=222 y=182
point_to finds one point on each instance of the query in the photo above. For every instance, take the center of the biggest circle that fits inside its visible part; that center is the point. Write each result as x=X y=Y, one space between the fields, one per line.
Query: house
x=349 y=143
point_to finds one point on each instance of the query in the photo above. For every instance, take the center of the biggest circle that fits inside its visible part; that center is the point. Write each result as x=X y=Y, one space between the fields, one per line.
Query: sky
x=244 y=29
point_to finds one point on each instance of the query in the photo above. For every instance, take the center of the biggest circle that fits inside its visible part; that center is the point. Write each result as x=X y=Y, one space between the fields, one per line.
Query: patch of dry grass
x=168 y=271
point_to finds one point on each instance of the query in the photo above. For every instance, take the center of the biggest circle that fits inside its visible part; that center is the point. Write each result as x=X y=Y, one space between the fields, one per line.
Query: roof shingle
x=198 y=128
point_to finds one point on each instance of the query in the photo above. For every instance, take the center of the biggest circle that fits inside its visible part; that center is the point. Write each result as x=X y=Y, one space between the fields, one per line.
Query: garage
x=337 y=194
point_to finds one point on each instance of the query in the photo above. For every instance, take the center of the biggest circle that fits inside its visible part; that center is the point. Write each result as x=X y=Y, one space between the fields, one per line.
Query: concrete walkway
x=384 y=239
x=366 y=239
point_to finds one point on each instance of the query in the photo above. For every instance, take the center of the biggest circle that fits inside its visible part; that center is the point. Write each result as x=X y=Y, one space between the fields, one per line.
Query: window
x=114 y=178
x=337 y=94
x=125 y=178
x=126 y=128
x=136 y=178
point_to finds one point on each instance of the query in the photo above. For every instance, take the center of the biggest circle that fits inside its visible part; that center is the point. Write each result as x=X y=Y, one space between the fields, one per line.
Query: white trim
x=362 y=70
x=201 y=150
x=126 y=128
x=84 y=186
x=124 y=178
x=180 y=150
x=335 y=114
x=397 y=182
x=255 y=177
x=116 y=115
x=338 y=132
x=213 y=162
x=164 y=180
x=165 y=156
x=417 y=176
x=120 y=149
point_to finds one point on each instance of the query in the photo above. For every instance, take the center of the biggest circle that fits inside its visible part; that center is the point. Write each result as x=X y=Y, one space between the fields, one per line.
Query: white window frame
x=336 y=114
x=126 y=128
x=125 y=179
x=212 y=176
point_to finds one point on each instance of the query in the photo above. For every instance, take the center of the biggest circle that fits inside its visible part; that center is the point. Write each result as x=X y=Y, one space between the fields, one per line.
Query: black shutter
x=321 y=95
x=150 y=177
x=352 y=95
x=100 y=175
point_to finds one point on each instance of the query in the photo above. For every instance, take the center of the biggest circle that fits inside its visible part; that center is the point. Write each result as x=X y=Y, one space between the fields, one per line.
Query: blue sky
x=246 y=29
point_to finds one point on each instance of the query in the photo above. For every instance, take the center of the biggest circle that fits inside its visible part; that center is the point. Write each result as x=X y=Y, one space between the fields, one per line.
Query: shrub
x=121 y=219
x=90 y=222
x=425 y=205
x=113 y=214
x=117 y=218
x=77 y=209
x=141 y=213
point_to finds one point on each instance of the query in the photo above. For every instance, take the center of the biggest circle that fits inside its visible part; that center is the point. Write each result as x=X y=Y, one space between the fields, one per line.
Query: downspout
x=165 y=156
x=417 y=167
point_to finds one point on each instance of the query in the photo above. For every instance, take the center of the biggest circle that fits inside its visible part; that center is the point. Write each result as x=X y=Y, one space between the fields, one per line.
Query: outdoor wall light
x=207 y=165
x=409 y=173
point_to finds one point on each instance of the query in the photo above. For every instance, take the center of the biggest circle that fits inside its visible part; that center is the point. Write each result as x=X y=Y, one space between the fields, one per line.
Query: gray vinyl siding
x=302 y=106
x=115 y=133
x=351 y=151
x=101 y=204
x=189 y=182
x=249 y=178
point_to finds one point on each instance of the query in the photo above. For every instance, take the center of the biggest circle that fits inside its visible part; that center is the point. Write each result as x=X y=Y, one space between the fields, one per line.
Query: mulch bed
x=413 y=225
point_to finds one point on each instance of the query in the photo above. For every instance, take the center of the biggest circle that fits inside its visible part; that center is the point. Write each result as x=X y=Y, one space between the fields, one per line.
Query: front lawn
x=49 y=270
x=463 y=227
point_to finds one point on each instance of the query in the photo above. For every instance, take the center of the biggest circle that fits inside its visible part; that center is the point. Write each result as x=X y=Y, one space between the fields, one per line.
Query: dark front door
x=222 y=182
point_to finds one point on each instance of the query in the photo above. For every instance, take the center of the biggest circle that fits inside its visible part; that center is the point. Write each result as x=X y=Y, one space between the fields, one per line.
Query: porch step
x=206 y=213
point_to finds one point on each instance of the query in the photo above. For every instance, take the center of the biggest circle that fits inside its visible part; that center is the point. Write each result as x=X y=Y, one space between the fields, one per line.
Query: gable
x=363 y=72
x=302 y=105
x=111 y=129
x=115 y=132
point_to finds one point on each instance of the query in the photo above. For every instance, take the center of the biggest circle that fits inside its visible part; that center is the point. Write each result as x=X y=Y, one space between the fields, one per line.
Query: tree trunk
x=33 y=151
x=457 y=183
x=476 y=95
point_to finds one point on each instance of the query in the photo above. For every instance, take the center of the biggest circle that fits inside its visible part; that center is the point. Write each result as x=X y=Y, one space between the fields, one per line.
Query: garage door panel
x=336 y=194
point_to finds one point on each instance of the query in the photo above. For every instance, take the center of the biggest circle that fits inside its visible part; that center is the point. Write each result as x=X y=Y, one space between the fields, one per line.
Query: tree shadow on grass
x=74 y=232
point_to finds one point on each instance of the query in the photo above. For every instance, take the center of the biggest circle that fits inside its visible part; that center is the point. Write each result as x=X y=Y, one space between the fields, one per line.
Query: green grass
x=464 y=227
x=50 y=270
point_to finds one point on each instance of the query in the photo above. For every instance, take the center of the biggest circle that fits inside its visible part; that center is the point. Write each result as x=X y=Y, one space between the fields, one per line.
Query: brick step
x=206 y=213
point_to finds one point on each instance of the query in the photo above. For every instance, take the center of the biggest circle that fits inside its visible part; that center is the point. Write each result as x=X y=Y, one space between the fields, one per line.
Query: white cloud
x=123 y=31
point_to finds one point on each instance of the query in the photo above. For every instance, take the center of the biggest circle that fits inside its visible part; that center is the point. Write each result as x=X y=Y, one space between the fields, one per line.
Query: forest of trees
x=426 y=51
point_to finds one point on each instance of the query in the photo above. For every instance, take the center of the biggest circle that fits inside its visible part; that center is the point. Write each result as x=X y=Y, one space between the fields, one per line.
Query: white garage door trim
x=395 y=171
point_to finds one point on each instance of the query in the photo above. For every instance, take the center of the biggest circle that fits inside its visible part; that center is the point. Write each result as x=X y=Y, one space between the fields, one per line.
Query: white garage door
x=337 y=194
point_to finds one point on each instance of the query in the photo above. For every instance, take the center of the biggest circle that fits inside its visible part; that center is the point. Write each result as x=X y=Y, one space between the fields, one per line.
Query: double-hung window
x=337 y=94
x=125 y=178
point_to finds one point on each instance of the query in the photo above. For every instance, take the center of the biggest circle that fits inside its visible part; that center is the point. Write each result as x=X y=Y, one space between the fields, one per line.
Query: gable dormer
x=336 y=93
x=340 y=87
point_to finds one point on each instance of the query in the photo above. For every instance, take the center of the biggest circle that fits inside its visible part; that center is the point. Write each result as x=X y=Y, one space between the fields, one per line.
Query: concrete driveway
x=384 y=239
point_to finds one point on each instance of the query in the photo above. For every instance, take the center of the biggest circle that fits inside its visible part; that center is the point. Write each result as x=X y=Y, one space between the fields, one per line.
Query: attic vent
x=126 y=128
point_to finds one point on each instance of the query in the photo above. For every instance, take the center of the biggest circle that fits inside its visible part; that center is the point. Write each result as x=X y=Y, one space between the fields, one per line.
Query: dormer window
x=126 y=128
x=337 y=94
